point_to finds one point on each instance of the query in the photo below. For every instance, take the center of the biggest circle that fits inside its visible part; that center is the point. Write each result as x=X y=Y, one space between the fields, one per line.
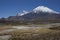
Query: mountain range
x=40 y=14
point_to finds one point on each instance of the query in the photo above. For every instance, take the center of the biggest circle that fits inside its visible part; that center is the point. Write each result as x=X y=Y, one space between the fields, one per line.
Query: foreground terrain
x=31 y=32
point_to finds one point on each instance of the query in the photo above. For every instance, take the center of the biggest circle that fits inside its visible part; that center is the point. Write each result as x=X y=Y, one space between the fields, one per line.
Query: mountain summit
x=44 y=9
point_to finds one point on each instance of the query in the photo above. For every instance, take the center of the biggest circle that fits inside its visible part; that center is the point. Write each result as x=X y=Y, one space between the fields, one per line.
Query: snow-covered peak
x=44 y=9
x=22 y=13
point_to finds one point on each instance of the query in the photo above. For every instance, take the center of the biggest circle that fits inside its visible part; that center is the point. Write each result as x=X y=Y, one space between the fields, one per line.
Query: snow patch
x=22 y=13
x=44 y=9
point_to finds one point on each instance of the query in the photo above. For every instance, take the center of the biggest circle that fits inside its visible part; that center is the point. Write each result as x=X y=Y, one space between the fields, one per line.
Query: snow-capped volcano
x=41 y=14
x=38 y=10
x=44 y=9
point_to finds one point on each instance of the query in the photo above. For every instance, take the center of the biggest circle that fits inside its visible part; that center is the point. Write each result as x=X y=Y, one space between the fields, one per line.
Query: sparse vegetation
x=3 y=27
x=52 y=33
x=38 y=34
x=55 y=28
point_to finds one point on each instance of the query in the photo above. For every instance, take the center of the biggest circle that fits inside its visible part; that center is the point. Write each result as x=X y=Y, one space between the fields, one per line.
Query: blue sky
x=12 y=7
